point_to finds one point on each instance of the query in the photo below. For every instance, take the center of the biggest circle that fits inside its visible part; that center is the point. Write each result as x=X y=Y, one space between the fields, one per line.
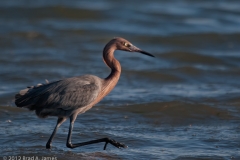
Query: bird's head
x=124 y=45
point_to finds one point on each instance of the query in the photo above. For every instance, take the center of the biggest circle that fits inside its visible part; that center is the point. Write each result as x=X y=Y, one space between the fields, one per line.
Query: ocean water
x=183 y=104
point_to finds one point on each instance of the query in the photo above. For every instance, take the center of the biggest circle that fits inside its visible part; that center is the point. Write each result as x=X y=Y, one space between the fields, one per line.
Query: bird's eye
x=127 y=44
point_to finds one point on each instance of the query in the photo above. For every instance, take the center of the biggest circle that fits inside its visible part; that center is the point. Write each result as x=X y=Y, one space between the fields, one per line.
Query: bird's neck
x=112 y=62
x=108 y=57
x=110 y=82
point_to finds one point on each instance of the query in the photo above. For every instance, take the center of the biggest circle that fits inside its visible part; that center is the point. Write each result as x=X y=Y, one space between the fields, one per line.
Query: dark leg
x=106 y=140
x=59 y=122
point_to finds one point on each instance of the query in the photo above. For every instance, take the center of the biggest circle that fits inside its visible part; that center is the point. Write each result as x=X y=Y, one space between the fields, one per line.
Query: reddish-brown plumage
x=72 y=96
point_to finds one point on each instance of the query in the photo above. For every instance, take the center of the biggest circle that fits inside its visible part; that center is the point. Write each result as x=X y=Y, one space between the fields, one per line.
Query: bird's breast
x=107 y=87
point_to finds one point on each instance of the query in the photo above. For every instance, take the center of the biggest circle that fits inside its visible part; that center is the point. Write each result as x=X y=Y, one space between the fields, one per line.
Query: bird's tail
x=21 y=93
x=21 y=96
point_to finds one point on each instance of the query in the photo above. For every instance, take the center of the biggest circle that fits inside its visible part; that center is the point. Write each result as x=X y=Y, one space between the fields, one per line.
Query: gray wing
x=67 y=94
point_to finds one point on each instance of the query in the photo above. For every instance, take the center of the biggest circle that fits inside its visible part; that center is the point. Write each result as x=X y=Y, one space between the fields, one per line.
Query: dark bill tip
x=135 y=49
x=146 y=53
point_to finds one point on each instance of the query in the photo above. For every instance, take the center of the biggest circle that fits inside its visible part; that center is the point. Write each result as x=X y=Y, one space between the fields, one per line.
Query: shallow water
x=183 y=104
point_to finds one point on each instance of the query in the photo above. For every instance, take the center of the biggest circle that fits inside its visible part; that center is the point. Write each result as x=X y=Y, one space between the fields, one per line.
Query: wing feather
x=67 y=94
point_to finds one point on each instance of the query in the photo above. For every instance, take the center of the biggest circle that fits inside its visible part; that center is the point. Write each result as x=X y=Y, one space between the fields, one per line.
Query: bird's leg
x=106 y=140
x=59 y=122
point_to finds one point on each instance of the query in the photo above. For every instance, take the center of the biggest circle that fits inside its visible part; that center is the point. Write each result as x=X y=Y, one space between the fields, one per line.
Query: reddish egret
x=72 y=96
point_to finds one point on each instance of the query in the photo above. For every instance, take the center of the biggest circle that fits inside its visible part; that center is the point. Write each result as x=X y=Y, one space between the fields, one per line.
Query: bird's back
x=62 y=97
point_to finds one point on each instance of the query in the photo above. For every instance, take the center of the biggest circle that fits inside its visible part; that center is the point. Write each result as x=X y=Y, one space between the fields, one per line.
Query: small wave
x=177 y=112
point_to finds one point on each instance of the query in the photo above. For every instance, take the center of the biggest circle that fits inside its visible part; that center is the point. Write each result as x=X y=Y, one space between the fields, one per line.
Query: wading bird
x=69 y=97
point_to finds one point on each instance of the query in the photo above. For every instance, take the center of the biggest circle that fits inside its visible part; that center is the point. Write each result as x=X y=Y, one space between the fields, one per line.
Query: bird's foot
x=48 y=146
x=114 y=143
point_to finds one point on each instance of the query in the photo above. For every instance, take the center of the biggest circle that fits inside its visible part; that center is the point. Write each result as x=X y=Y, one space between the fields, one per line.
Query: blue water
x=183 y=104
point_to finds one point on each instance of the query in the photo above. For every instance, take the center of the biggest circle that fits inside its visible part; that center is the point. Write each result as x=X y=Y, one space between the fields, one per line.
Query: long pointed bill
x=135 y=49
x=146 y=53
